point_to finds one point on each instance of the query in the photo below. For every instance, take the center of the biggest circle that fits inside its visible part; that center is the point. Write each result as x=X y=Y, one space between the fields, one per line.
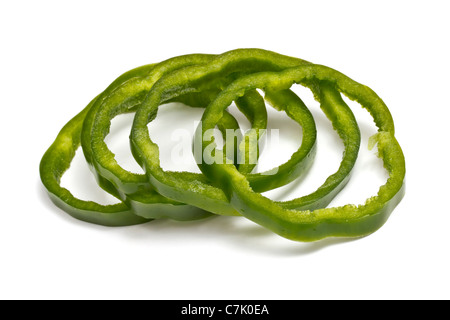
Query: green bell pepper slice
x=311 y=225
x=194 y=79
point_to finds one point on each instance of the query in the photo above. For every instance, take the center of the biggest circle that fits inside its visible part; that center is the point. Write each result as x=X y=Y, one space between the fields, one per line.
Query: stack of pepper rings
x=227 y=186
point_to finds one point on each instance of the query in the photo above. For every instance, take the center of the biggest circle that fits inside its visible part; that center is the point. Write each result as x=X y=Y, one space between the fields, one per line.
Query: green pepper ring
x=133 y=188
x=57 y=160
x=192 y=79
x=346 y=221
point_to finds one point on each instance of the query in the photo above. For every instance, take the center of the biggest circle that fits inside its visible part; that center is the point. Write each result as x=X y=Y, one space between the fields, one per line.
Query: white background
x=57 y=55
